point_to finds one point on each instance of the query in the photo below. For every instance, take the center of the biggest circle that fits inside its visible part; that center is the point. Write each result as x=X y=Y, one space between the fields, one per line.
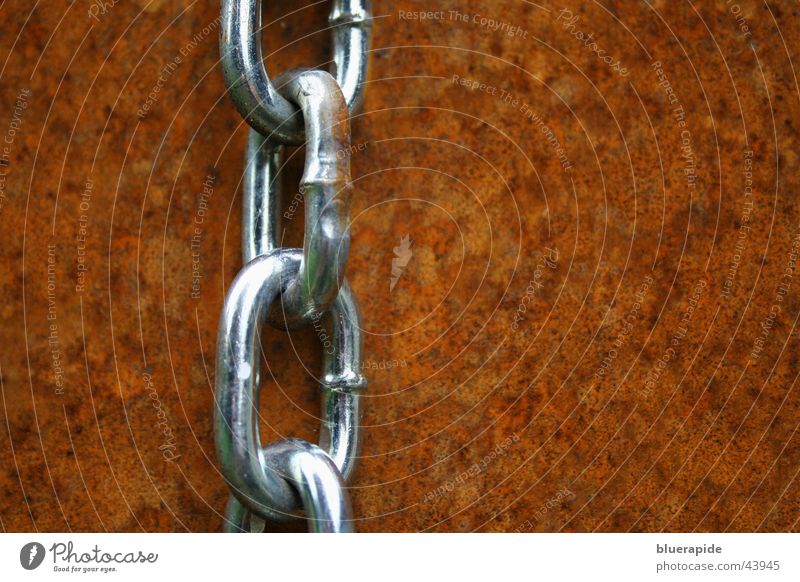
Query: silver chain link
x=249 y=85
x=292 y=287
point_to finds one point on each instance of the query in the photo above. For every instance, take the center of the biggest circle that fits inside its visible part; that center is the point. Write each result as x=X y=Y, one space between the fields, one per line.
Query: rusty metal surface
x=574 y=239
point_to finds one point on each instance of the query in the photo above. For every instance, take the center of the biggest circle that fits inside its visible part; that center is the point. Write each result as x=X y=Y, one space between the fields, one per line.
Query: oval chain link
x=326 y=190
x=254 y=481
x=276 y=480
x=248 y=82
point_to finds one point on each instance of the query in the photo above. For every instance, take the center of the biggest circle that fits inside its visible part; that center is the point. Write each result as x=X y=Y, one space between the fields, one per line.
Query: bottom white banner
x=401 y=556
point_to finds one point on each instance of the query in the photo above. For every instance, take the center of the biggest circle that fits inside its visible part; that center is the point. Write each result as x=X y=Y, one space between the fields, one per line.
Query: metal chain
x=312 y=107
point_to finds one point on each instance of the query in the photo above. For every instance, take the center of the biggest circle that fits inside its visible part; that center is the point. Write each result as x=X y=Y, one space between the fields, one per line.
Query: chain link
x=326 y=190
x=292 y=287
x=249 y=85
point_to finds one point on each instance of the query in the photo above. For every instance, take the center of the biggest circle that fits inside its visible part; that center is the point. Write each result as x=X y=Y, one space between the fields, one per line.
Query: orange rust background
x=637 y=382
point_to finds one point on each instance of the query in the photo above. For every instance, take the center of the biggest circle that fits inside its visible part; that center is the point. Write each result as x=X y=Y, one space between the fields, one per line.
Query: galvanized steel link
x=243 y=461
x=326 y=190
x=319 y=486
x=325 y=186
x=248 y=82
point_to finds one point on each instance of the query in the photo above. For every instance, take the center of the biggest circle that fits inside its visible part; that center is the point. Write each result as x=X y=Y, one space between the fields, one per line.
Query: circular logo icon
x=31 y=555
